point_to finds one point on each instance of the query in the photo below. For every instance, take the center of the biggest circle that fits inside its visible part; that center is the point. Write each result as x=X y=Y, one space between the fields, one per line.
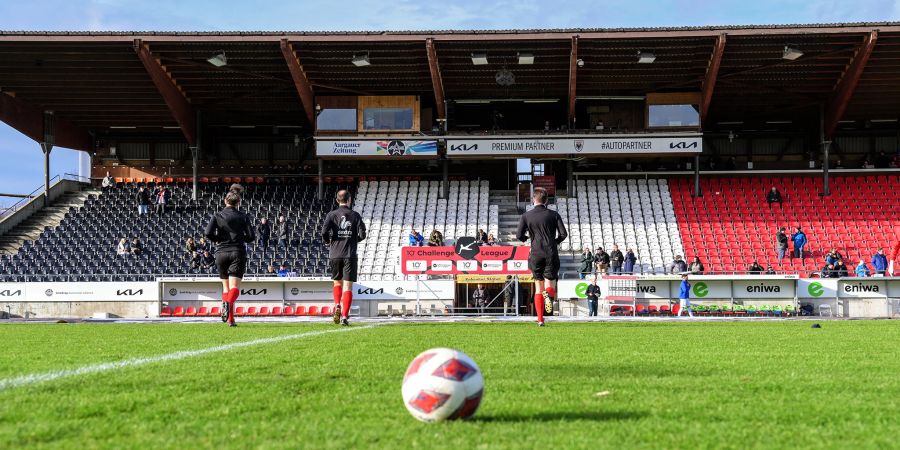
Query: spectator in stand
x=833 y=256
x=207 y=261
x=122 y=249
x=203 y=246
x=678 y=266
x=867 y=164
x=264 y=231
x=436 y=239
x=481 y=237
x=284 y=232
x=143 y=201
x=593 y=295
x=587 y=263
x=781 y=244
x=755 y=268
x=879 y=262
x=283 y=271
x=828 y=271
x=841 y=268
x=107 y=182
x=800 y=241
x=601 y=260
x=839 y=164
x=189 y=248
x=773 y=197
x=616 y=258
x=161 y=199
x=769 y=270
x=731 y=164
x=194 y=260
x=416 y=239
x=136 y=247
x=628 y=263
x=508 y=293
x=696 y=267
x=862 y=270
x=882 y=161
x=270 y=271
x=491 y=240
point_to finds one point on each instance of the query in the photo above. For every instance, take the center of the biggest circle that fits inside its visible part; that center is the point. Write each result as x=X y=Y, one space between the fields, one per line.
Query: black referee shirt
x=342 y=230
x=545 y=228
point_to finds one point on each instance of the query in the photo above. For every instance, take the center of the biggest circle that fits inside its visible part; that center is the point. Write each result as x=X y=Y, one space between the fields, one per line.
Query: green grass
x=671 y=385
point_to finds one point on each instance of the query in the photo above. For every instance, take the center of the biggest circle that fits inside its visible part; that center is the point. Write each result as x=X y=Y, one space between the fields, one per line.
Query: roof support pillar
x=301 y=82
x=573 y=72
x=437 y=82
x=712 y=73
x=48 y=138
x=175 y=99
x=847 y=85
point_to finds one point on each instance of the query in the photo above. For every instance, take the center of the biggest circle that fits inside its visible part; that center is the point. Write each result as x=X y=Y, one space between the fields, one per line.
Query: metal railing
x=33 y=195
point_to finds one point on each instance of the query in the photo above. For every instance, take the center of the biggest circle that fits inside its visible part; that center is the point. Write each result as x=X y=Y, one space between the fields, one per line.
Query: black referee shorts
x=544 y=267
x=231 y=264
x=343 y=269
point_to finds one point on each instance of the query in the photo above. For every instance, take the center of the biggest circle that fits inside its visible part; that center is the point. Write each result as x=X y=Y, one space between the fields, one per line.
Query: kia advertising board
x=404 y=290
x=590 y=144
x=91 y=292
x=12 y=292
x=212 y=290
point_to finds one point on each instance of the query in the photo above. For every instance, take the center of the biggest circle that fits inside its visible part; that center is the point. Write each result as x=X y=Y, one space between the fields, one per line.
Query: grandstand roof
x=97 y=80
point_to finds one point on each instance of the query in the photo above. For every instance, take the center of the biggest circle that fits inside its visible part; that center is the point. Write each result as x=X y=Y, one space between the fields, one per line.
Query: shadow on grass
x=593 y=416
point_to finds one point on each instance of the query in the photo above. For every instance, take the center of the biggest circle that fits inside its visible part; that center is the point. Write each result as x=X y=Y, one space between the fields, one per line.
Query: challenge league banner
x=467 y=257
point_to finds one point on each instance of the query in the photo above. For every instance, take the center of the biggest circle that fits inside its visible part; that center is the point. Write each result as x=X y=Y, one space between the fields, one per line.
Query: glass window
x=674 y=116
x=388 y=118
x=336 y=119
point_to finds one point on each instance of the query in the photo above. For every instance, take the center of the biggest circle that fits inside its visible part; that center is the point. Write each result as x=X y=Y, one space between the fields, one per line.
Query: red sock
x=551 y=292
x=346 y=301
x=336 y=295
x=539 y=306
x=232 y=298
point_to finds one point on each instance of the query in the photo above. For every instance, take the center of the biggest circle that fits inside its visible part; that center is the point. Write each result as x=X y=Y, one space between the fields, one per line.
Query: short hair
x=233 y=197
x=540 y=195
x=343 y=196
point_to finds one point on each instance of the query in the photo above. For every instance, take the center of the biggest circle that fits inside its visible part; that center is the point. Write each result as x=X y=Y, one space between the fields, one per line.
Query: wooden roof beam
x=178 y=103
x=712 y=73
x=301 y=81
x=437 y=82
x=573 y=79
x=847 y=85
x=29 y=120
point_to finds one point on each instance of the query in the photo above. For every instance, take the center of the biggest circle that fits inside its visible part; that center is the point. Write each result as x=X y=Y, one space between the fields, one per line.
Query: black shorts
x=231 y=264
x=343 y=269
x=544 y=267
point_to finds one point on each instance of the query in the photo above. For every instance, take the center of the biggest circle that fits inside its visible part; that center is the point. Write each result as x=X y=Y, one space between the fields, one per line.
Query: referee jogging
x=342 y=230
x=231 y=230
x=546 y=230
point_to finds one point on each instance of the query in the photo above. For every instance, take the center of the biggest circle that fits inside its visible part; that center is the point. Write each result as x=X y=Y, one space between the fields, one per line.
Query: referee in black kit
x=546 y=230
x=342 y=229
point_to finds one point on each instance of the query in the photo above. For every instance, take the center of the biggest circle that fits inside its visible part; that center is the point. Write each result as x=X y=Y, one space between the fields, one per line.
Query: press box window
x=388 y=118
x=336 y=119
x=669 y=116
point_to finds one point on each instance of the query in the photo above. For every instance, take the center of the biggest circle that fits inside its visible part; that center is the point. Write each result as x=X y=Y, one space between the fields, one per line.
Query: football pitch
x=771 y=384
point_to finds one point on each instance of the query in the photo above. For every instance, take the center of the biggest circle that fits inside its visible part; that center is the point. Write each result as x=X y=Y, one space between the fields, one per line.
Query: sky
x=22 y=168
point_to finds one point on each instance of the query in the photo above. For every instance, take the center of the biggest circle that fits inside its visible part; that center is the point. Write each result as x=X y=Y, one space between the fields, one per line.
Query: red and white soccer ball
x=442 y=384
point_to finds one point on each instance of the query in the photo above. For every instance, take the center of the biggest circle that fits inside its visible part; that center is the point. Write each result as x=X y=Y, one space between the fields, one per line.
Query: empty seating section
x=391 y=209
x=636 y=214
x=731 y=224
x=83 y=246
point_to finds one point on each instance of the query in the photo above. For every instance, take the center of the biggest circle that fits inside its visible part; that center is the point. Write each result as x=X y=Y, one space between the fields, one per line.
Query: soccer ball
x=442 y=384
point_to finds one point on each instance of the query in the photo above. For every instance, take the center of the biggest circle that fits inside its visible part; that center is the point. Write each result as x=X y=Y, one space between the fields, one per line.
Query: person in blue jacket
x=416 y=239
x=880 y=262
x=800 y=241
x=862 y=270
x=684 y=296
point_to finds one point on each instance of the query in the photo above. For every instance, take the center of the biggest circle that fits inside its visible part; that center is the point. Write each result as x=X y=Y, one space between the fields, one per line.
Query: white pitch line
x=25 y=380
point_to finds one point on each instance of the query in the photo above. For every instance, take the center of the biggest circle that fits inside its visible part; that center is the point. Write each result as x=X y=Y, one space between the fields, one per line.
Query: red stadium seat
x=240 y=311
x=264 y=311
x=276 y=311
x=179 y=311
x=300 y=311
x=213 y=180
x=288 y=311
x=312 y=311
x=252 y=311
x=191 y=311
x=204 y=180
x=215 y=311
x=170 y=180
x=325 y=311
x=259 y=180
x=166 y=312
x=226 y=180
x=118 y=180
x=203 y=311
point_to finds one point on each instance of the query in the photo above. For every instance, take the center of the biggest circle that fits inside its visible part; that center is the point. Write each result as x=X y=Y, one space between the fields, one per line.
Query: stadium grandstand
x=664 y=141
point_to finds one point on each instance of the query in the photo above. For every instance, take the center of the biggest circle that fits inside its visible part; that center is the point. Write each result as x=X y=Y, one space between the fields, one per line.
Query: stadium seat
x=288 y=311
x=300 y=311
x=191 y=311
x=325 y=311
x=240 y=311
x=313 y=311
x=203 y=311
x=252 y=311
x=263 y=311
x=166 y=312
x=215 y=311
x=179 y=311
x=276 y=311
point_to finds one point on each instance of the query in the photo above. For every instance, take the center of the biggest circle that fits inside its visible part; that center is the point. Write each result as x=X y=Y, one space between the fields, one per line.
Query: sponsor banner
x=893 y=288
x=91 y=292
x=813 y=288
x=862 y=288
x=383 y=148
x=212 y=290
x=404 y=290
x=763 y=288
x=705 y=289
x=574 y=144
x=467 y=257
x=12 y=292
x=653 y=289
x=310 y=290
x=468 y=279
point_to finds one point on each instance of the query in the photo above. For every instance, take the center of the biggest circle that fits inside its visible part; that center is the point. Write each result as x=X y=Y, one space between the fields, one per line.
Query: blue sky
x=23 y=164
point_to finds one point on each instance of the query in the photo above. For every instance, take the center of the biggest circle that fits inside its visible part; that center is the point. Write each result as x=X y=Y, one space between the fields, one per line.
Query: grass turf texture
x=670 y=385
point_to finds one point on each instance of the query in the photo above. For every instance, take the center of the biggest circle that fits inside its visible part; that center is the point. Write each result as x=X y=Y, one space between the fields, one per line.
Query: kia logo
x=9 y=293
x=683 y=145
x=369 y=291
x=463 y=147
x=254 y=291
x=130 y=292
